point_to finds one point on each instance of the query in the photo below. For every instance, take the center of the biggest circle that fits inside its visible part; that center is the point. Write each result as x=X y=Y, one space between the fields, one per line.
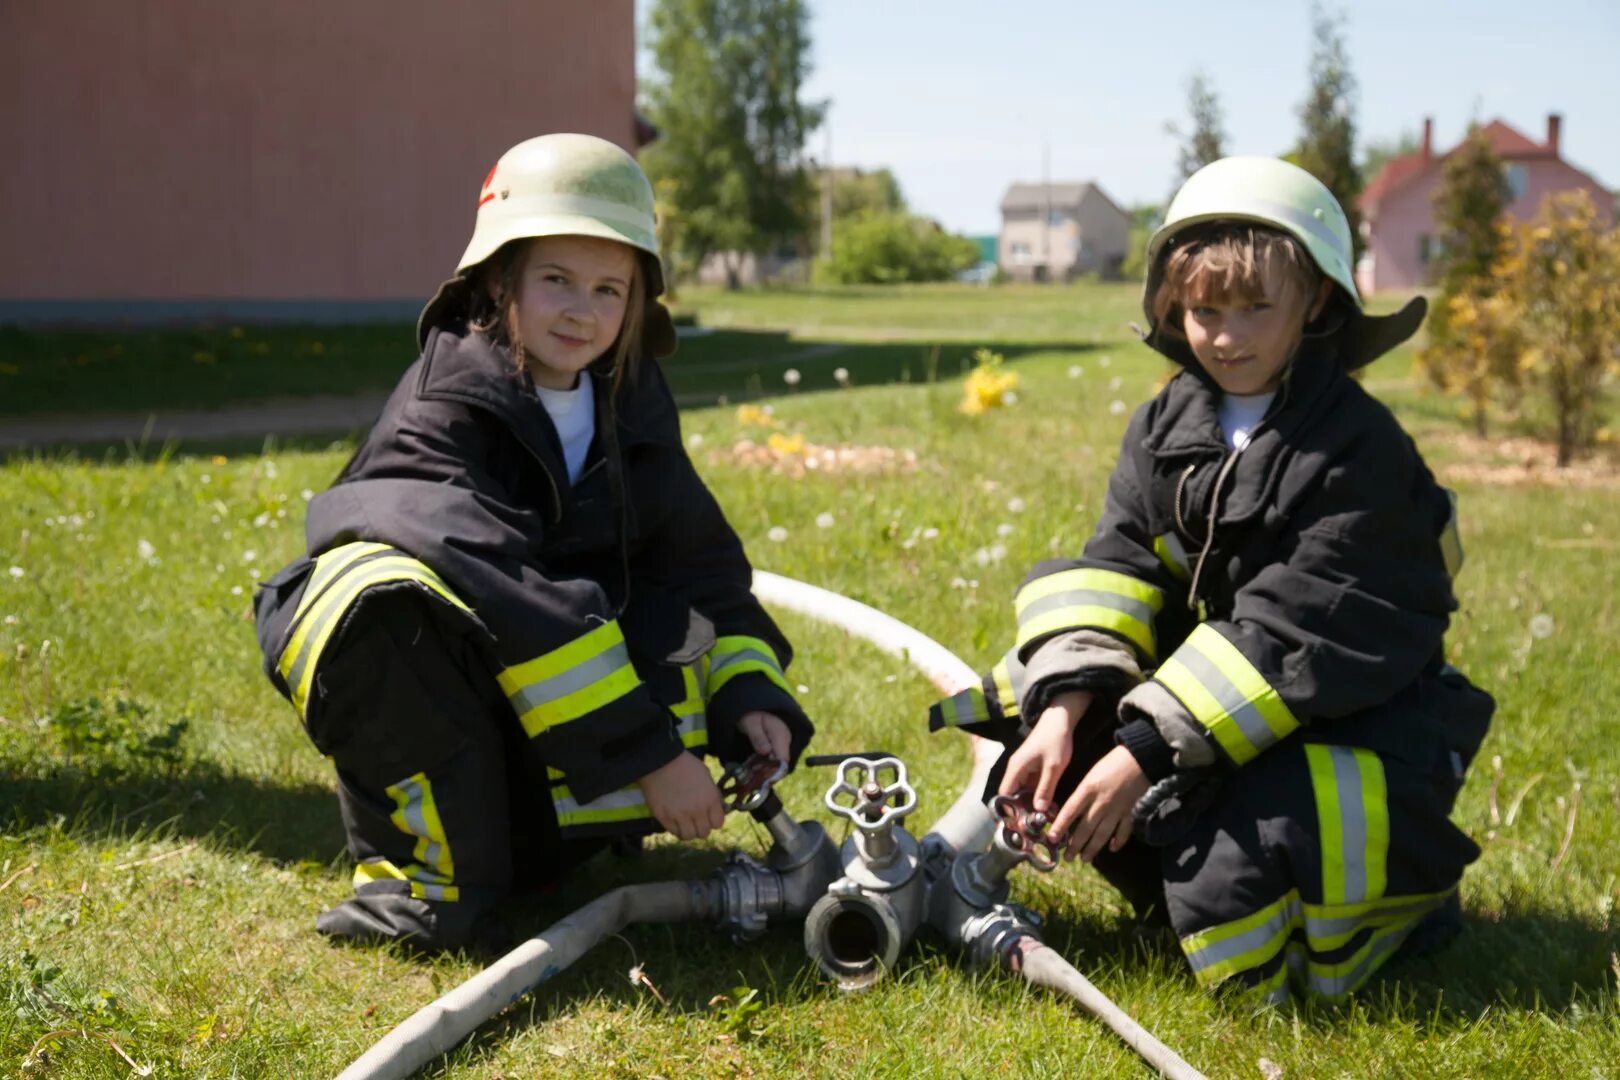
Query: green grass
x=162 y=894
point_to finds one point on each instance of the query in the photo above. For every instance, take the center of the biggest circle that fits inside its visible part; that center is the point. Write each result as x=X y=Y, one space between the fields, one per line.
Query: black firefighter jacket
x=463 y=471
x=1299 y=585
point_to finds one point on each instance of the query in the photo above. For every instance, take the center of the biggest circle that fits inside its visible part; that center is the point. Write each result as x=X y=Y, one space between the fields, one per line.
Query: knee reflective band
x=571 y=681
x=1092 y=599
x=339 y=577
x=732 y=656
x=1352 y=808
x=1225 y=694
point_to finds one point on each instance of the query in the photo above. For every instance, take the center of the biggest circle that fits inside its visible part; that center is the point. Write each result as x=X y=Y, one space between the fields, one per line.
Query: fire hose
x=860 y=905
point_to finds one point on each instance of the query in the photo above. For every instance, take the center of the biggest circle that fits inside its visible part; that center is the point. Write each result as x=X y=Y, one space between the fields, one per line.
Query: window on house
x=1056 y=218
x=1516 y=176
x=1427 y=249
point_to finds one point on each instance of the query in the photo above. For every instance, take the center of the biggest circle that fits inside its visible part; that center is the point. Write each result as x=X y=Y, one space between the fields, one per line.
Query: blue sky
x=958 y=97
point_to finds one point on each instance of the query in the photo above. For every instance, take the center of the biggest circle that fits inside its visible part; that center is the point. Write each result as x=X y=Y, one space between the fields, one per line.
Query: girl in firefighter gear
x=523 y=617
x=1236 y=700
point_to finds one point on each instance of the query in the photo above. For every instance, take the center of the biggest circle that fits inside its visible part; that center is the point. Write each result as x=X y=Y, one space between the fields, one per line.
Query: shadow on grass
x=287 y=824
x=137 y=453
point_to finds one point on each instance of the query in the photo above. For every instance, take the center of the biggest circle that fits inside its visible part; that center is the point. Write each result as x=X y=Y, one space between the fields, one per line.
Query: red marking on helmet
x=488 y=180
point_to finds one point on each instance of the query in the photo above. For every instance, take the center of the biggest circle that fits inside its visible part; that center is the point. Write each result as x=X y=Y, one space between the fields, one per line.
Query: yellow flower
x=987 y=385
x=217 y=459
x=201 y=357
x=754 y=416
x=786 y=445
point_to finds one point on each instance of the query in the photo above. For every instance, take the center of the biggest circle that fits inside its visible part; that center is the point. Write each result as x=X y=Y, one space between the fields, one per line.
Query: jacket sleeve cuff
x=1076 y=660
x=1152 y=702
x=626 y=760
x=751 y=692
x=1148 y=747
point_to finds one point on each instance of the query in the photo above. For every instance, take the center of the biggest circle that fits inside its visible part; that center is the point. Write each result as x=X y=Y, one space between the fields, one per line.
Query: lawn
x=167 y=834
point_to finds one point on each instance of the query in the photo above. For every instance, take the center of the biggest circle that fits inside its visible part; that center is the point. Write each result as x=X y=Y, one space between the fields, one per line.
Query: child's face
x=1244 y=343
x=570 y=304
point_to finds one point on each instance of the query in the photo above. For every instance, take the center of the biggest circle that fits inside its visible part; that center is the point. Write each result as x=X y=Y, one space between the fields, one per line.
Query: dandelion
x=270 y=469
x=11 y=620
x=1541 y=626
x=958 y=582
x=318 y=347
x=249 y=555
x=1010 y=398
x=17 y=572
x=694 y=440
x=930 y=533
x=1015 y=505
x=1115 y=383
x=841 y=376
x=786 y=445
x=306 y=494
x=1104 y=361
x=777 y=534
x=987 y=386
x=144 y=548
x=998 y=552
x=236 y=590
x=1004 y=530
x=1075 y=371
x=791 y=376
x=824 y=520
x=1116 y=407
x=262 y=520
x=202 y=357
x=982 y=556
x=888 y=678
x=754 y=416
x=803 y=689
x=207 y=478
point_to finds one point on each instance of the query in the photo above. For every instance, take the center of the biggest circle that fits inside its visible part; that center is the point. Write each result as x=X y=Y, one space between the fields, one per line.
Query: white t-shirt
x=1240 y=414
x=573 y=414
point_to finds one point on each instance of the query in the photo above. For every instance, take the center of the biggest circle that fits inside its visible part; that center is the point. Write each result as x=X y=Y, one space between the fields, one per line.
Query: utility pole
x=1046 y=208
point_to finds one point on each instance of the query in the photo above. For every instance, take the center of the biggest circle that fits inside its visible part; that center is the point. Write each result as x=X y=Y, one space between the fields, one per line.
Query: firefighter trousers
x=1302 y=873
x=445 y=807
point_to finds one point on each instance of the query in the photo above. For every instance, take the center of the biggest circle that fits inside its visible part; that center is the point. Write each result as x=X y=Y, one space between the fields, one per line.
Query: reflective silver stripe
x=738 y=657
x=1377 y=953
x=1232 y=700
x=1136 y=609
x=1251 y=939
x=570 y=680
x=622 y=799
x=1321 y=927
x=1352 y=822
x=428 y=891
x=958 y=708
x=431 y=852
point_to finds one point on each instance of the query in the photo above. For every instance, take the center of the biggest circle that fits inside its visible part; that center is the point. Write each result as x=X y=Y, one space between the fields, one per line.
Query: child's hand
x=1041 y=758
x=768 y=733
x=1099 y=811
x=682 y=796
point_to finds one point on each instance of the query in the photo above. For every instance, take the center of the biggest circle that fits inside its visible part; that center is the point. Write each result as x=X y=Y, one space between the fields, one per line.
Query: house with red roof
x=1397 y=207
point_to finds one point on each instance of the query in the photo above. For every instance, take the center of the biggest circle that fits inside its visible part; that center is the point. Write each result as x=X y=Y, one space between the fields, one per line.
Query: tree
x=727 y=100
x=856 y=192
x=1562 y=301
x=1206 y=142
x=1468 y=208
x=1327 y=142
x=895 y=248
x=1145 y=221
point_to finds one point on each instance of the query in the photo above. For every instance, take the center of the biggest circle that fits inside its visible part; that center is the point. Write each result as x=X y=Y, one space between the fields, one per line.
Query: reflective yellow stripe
x=1174 y=557
x=571 y=681
x=328 y=565
x=1097 y=599
x=383 y=870
x=1331 y=926
x=1352 y=810
x=626 y=804
x=691 y=717
x=301 y=657
x=1224 y=693
x=737 y=654
x=965 y=707
x=1222 y=951
x=1450 y=541
x=416 y=814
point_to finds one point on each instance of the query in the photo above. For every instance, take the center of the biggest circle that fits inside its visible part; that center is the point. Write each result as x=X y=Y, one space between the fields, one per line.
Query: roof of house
x=1508 y=144
x=1022 y=196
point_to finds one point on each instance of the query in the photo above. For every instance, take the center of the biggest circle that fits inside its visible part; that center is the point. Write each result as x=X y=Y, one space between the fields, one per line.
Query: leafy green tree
x=895 y=248
x=1327 y=138
x=727 y=98
x=1206 y=141
x=1145 y=221
x=856 y=192
x=1469 y=209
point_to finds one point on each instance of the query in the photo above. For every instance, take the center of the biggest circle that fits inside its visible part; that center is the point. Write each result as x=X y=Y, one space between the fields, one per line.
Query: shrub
x=891 y=249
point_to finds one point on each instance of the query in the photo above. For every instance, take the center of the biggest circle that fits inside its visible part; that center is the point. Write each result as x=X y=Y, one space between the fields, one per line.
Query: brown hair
x=492 y=310
x=1226 y=262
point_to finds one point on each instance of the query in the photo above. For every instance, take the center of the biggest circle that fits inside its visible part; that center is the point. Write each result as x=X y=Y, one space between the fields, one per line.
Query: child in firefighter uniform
x=523 y=618
x=1236 y=700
